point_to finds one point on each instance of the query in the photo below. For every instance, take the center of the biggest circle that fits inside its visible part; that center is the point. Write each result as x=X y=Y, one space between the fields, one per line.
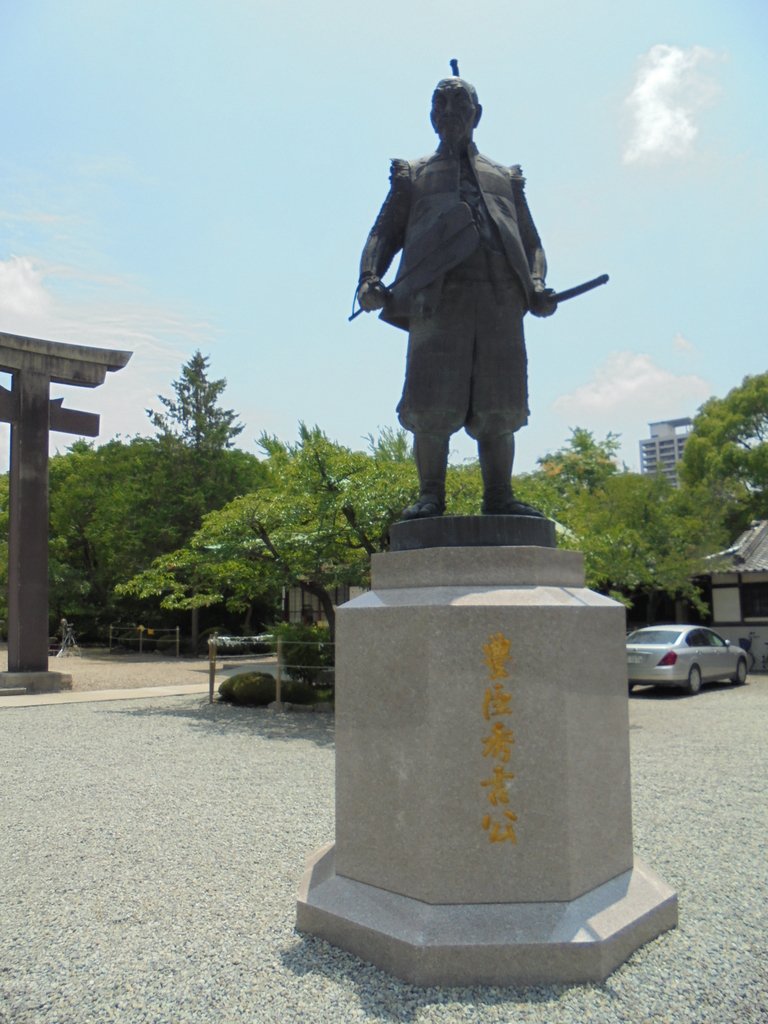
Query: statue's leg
x=436 y=393
x=430 y=452
x=497 y=454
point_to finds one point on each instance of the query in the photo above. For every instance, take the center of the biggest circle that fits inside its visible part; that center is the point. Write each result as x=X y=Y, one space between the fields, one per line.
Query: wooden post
x=178 y=639
x=28 y=527
x=211 y=665
x=279 y=675
x=110 y=638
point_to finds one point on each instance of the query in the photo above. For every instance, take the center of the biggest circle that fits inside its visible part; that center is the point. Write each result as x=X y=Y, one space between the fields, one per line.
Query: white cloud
x=160 y=340
x=629 y=383
x=22 y=295
x=682 y=344
x=626 y=393
x=669 y=91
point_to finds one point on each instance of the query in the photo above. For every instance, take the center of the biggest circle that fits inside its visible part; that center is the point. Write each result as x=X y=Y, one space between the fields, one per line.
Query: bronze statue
x=472 y=266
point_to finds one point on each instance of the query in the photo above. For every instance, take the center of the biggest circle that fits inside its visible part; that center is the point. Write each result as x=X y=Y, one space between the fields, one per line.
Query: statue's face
x=454 y=112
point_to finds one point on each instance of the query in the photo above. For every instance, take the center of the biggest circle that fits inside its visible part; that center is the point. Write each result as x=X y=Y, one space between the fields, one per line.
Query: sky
x=202 y=174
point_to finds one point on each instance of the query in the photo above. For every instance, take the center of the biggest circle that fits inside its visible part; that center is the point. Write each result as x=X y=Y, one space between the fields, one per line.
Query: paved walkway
x=104 y=677
x=29 y=700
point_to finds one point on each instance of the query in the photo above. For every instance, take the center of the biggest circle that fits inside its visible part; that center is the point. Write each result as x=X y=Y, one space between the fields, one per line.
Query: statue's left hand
x=543 y=302
x=371 y=294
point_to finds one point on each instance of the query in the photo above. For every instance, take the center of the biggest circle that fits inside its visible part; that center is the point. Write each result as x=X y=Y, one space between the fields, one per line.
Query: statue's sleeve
x=534 y=251
x=388 y=233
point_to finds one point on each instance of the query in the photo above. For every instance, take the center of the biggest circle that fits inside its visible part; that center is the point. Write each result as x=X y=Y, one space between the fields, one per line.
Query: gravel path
x=103 y=671
x=152 y=849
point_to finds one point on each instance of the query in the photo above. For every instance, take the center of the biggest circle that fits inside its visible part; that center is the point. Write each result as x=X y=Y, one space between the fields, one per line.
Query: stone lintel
x=73 y=421
x=62 y=363
x=69 y=421
x=574 y=942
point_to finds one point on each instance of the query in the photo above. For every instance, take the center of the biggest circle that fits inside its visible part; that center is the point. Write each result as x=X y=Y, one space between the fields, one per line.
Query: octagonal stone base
x=486 y=943
x=482 y=775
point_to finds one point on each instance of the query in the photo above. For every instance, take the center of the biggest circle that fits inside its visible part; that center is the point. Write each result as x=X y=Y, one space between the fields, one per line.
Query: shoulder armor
x=399 y=171
x=517 y=175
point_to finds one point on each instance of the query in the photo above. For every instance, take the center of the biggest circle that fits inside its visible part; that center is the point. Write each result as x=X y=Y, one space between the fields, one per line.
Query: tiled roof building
x=739 y=578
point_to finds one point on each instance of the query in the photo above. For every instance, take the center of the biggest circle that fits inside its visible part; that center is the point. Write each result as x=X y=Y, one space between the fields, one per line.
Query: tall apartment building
x=663 y=450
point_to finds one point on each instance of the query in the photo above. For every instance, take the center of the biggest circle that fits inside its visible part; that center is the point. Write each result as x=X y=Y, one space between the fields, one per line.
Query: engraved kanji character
x=499 y=831
x=497 y=701
x=499 y=743
x=496 y=654
x=497 y=786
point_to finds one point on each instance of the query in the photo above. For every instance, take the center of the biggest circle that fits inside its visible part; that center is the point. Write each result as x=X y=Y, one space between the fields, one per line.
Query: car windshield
x=653 y=636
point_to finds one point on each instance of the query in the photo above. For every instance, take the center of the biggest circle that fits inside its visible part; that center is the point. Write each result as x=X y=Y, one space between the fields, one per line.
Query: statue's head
x=455 y=111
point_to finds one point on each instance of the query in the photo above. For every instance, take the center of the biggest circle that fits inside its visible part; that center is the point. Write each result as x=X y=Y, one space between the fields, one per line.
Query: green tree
x=727 y=451
x=114 y=509
x=194 y=416
x=320 y=514
x=639 y=534
x=583 y=464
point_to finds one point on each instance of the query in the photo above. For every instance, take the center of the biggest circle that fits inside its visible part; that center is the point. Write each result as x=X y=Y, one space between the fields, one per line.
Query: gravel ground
x=103 y=671
x=152 y=851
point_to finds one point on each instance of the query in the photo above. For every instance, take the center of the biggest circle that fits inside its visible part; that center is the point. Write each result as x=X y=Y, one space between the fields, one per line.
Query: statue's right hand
x=371 y=294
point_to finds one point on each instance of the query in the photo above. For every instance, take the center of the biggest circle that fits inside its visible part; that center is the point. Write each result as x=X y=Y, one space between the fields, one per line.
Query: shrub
x=257 y=689
x=308 y=653
x=254 y=689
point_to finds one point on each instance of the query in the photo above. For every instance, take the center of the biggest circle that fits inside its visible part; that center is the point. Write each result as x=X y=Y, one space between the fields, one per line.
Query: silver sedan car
x=682 y=656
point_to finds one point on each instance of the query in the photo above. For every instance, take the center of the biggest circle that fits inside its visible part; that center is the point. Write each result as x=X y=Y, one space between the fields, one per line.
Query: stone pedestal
x=483 y=823
x=34 y=682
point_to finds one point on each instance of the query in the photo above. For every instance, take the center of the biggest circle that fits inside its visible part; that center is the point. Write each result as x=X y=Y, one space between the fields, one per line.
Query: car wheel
x=740 y=676
x=694 y=680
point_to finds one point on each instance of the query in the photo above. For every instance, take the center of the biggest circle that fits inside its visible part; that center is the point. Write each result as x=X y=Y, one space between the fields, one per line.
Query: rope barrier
x=215 y=641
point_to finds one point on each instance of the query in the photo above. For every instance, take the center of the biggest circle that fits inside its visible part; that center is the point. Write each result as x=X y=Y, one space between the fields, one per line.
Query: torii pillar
x=34 y=365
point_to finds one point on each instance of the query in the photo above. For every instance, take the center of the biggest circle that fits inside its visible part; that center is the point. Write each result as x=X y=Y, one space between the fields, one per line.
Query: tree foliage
x=320 y=513
x=727 y=451
x=583 y=463
x=642 y=536
x=194 y=416
x=116 y=508
x=184 y=520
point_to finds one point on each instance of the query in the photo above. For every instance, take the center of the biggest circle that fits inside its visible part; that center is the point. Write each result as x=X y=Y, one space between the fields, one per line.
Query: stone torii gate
x=34 y=365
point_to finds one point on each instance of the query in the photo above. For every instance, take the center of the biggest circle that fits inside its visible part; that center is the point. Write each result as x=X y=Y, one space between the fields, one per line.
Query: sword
x=569 y=293
x=579 y=289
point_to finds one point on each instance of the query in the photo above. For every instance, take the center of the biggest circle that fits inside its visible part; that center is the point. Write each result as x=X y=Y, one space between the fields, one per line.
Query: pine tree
x=194 y=417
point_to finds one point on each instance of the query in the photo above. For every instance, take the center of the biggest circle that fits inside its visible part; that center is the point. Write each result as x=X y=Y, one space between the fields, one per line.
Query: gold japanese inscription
x=497 y=701
x=498 y=742
x=496 y=655
x=496 y=785
x=501 y=831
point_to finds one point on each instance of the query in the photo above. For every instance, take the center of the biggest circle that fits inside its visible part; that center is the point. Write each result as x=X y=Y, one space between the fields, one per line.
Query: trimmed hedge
x=257 y=689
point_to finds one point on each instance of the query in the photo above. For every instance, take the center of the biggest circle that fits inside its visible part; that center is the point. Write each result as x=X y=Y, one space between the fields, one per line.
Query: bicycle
x=745 y=642
x=69 y=645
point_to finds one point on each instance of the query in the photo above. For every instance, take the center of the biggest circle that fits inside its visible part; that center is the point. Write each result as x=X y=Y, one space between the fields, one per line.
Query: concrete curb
x=29 y=700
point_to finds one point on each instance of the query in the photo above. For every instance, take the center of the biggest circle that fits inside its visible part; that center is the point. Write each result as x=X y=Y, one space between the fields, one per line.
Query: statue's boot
x=497 y=454
x=430 y=452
